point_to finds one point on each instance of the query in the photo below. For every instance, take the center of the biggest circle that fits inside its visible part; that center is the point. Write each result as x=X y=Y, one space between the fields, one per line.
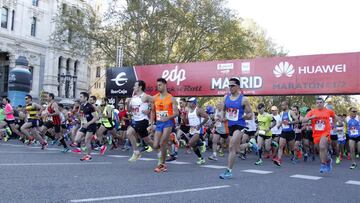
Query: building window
x=33 y=26
x=64 y=9
x=12 y=19
x=4 y=17
x=35 y=2
x=98 y=72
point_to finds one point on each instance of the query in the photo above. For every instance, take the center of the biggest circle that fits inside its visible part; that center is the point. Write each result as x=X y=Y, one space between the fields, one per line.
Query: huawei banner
x=315 y=74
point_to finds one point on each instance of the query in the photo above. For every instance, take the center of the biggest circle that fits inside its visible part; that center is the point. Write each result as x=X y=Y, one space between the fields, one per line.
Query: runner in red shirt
x=320 y=122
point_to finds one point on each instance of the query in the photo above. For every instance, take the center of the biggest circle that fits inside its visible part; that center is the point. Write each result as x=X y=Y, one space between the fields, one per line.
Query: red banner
x=315 y=74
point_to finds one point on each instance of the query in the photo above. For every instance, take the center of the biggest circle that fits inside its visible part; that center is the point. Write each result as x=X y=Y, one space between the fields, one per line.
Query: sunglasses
x=354 y=111
x=232 y=85
x=26 y=98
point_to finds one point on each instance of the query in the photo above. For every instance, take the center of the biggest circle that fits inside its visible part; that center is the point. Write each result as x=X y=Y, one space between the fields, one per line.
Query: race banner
x=298 y=75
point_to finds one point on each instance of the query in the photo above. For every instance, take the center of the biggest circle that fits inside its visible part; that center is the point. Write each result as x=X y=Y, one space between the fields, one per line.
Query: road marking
x=55 y=164
x=306 y=177
x=213 y=166
x=4 y=152
x=118 y=156
x=257 y=171
x=178 y=162
x=147 y=159
x=353 y=182
x=150 y=194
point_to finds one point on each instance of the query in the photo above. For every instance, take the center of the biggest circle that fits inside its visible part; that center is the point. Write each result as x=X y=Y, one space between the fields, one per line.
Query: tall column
x=71 y=72
x=62 y=72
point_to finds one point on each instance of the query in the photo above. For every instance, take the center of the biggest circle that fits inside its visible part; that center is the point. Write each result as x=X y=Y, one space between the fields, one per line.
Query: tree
x=161 y=31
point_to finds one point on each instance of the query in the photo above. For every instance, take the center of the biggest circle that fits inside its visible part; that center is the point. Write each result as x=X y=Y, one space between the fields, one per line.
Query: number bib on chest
x=136 y=110
x=354 y=132
x=320 y=125
x=161 y=114
x=193 y=131
x=232 y=114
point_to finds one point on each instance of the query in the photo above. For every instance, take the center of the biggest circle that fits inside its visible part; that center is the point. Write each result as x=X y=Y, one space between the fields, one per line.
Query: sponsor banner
x=120 y=82
x=315 y=74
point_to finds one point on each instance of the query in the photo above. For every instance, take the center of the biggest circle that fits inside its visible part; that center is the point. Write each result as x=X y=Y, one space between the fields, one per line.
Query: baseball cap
x=192 y=99
x=260 y=106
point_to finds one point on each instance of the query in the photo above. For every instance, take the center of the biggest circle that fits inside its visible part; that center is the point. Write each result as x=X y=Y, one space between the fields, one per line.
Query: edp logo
x=174 y=75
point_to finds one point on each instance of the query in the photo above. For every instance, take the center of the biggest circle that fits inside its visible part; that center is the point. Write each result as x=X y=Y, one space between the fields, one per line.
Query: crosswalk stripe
x=213 y=166
x=353 y=182
x=147 y=159
x=306 y=177
x=178 y=162
x=257 y=171
x=118 y=156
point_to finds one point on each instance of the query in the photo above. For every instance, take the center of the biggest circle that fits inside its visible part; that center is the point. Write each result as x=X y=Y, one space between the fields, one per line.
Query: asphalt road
x=28 y=174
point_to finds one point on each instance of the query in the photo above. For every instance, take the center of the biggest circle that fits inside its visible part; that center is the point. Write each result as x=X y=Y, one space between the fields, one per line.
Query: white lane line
x=257 y=171
x=213 y=166
x=353 y=182
x=147 y=159
x=306 y=177
x=55 y=164
x=178 y=162
x=3 y=152
x=118 y=156
x=150 y=194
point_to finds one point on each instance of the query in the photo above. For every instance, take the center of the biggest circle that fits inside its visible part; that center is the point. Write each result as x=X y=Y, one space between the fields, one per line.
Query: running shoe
x=323 y=168
x=76 y=150
x=135 y=156
x=353 y=166
x=54 y=141
x=171 y=158
x=200 y=161
x=86 y=158
x=226 y=175
x=160 y=168
x=329 y=165
x=242 y=156
x=259 y=162
x=8 y=131
x=44 y=145
x=103 y=149
x=277 y=161
x=338 y=160
x=357 y=156
x=274 y=144
x=6 y=138
x=73 y=145
x=221 y=153
x=306 y=156
x=149 y=149
x=213 y=157
x=65 y=150
x=299 y=154
x=253 y=145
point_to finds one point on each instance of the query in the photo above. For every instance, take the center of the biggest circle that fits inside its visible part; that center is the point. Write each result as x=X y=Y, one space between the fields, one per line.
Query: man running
x=220 y=131
x=237 y=109
x=264 y=139
x=197 y=118
x=164 y=110
x=88 y=124
x=320 y=121
x=288 y=134
x=53 y=121
x=33 y=122
x=353 y=123
x=139 y=109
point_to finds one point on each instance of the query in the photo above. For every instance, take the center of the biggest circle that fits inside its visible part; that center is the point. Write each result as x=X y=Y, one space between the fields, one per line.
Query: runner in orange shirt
x=320 y=121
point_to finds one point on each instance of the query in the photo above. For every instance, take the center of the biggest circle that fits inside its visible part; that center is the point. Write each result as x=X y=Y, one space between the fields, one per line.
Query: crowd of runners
x=145 y=123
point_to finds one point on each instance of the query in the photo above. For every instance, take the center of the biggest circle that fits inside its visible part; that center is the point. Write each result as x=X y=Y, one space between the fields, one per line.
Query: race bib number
x=49 y=119
x=161 y=114
x=218 y=124
x=193 y=131
x=136 y=110
x=320 y=125
x=262 y=132
x=232 y=114
x=354 y=132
